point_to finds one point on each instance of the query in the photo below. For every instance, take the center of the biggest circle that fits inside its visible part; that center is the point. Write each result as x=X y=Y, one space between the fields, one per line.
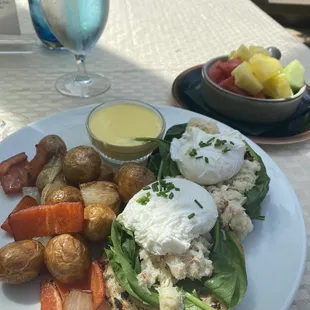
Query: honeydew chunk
x=295 y=73
x=265 y=67
x=245 y=79
x=278 y=87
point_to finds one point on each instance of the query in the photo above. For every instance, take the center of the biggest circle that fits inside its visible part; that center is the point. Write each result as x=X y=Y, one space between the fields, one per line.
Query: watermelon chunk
x=228 y=66
x=227 y=83
x=215 y=73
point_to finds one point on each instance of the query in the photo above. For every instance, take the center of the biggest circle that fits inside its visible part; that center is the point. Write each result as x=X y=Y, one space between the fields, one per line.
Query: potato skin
x=106 y=173
x=54 y=145
x=67 y=258
x=64 y=194
x=97 y=222
x=101 y=192
x=81 y=164
x=21 y=261
x=131 y=178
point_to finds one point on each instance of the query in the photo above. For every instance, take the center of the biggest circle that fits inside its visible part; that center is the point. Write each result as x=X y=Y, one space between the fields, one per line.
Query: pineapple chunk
x=242 y=53
x=265 y=67
x=253 y=49
x=278 y=87
x=232 y=54
x=245 y=79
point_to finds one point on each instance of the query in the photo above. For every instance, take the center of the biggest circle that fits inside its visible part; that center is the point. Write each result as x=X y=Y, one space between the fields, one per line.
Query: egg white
x=220 y=166
x=166 y=225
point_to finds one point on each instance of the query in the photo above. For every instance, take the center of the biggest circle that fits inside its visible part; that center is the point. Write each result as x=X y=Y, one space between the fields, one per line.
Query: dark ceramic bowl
x=243 y=108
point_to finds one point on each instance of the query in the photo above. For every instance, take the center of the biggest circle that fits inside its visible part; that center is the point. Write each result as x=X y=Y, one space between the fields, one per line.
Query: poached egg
x=208 y=159
x=166 y=224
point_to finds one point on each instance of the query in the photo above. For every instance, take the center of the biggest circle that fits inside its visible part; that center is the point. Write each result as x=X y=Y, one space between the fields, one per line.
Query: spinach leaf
x=175 y=131
x=229 y=279
x=191 y=302
x=256 y=195
x=161 y=163
x=124 y=264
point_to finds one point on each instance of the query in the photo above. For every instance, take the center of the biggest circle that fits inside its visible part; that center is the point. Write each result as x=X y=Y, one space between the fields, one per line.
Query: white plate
x=275 y=250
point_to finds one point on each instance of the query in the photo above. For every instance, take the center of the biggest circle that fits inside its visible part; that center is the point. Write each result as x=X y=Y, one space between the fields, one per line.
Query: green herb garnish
x=198 y=157
x=171 y=195
x=207 y=160
x=143 y=200
x=226 y=149
x=202 y=144
x=209 y=142
x=192 y=153
x=177 y=189
x=198 y=203
x=146 y=188
x=162 y=194
x=191 y=216
x=155 y=187
x=232 y=143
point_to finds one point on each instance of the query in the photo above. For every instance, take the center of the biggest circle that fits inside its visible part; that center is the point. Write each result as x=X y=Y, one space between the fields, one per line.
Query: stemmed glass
x=78 y=25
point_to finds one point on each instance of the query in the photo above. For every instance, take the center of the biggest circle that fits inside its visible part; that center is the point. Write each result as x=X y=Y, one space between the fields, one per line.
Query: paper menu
x=9 y=24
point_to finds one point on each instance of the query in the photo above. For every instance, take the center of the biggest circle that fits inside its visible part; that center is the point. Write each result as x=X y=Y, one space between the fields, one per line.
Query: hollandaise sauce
x=120 y=124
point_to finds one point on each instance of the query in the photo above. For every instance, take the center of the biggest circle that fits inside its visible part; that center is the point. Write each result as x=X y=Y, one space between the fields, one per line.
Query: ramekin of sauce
x=114 y=126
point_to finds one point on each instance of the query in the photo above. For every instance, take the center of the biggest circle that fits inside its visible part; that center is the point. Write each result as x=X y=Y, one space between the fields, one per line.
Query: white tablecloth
x=146 y=44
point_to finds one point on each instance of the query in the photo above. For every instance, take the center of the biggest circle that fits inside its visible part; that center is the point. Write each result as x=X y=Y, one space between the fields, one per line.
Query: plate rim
x=300 y=270
x=299 y=138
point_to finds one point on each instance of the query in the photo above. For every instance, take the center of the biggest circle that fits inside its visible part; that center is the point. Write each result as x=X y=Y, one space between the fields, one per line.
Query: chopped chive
x=198 y=157
x=209 y=142
x=232 y=143
x=162 y=194
x=198 y=203
x=191 y=216
x=207 y=160
x=155 y=187
x=177 y=189
x=226 y=149
x=171 y=195
x=143 y=200
x=202 y=144
x=192 y=153
x=146 y=188
x=218 y=143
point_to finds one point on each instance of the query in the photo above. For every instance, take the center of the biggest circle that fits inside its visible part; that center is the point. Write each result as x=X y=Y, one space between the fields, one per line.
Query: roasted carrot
x=24 y=203
x=47 y=220
x=50 y=297
x=96 y=283
x=65 y=288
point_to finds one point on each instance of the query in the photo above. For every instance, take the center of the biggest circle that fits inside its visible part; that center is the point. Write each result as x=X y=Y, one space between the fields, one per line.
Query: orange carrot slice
x=47 y=220
x=25 y=202
x=50 y=297
x=96 y=283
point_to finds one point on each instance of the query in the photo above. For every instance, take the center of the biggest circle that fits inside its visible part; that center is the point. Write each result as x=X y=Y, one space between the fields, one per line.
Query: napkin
x=189 y=92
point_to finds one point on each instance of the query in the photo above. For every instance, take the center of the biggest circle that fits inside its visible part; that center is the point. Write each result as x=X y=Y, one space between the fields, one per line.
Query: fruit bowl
x=245 y=108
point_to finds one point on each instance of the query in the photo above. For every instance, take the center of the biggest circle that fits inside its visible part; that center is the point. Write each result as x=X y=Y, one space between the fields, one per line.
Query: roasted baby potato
x=64 y=194
x=101 y=192
x=98 y=220
x=54 y=145
x=21 y=261
x=81 y=164
x=106 y=173
x=67 y=258
x=131 y=178
x=49 y=172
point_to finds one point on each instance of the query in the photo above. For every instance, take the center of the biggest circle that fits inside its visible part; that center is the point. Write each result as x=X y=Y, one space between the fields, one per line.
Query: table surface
x=146 y=44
